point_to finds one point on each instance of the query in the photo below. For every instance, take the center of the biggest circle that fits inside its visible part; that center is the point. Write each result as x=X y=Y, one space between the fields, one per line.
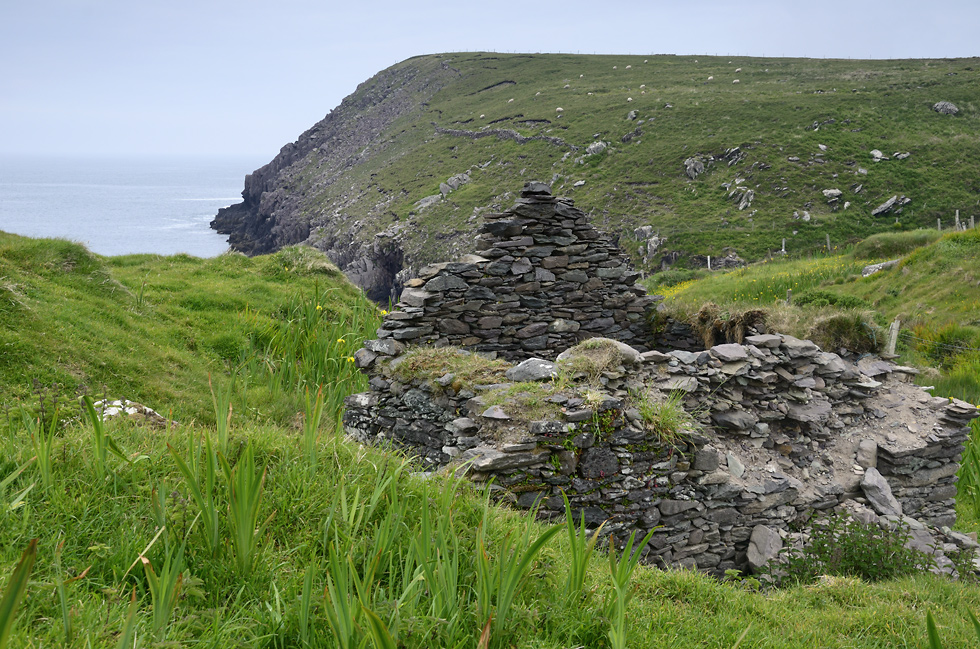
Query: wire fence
x=908 y=335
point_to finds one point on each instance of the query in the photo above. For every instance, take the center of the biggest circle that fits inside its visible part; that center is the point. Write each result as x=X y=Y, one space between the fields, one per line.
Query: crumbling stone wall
x=784 y=430
x=543 y=280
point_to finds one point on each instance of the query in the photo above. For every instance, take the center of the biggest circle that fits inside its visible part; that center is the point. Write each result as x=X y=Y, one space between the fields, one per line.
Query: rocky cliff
x=673 y=157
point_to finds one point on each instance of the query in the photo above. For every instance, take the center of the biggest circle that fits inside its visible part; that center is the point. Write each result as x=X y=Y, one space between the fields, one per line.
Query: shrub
x=852 y=331
x=894 y=244
x=841 y=546
x=818 y=298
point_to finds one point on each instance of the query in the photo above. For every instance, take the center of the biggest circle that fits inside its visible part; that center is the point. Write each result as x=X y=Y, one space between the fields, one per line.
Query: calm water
x=118 y=206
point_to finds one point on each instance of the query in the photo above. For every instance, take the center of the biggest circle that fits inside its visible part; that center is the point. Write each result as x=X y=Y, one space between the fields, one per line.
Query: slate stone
x=598 y=462
x=735 y=419
x=445 y=283
x=764 y=546
x=533 y=369
x=879 y=493
x=729 y=352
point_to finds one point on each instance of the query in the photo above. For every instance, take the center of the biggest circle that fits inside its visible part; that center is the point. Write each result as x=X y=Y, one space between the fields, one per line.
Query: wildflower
x=350 y=359
x=341 y=341
x=319 y=308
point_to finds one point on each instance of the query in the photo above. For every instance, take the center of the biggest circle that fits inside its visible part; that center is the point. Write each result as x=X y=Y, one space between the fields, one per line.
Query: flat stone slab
x=533 y=369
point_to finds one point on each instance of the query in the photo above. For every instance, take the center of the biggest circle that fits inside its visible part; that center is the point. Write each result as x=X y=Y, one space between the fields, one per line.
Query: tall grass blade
x=379 y=632
x=164 y=588
x=933 y=632
x=221 y=399
x=621 y=570
x=306 y=604
x=43 y=443
x=59 y=582
x=200 y=477
x=14 y=591
x=244 y=503
x=311 y=425
x=581 y=548
x=343 y=609
x=127 y=639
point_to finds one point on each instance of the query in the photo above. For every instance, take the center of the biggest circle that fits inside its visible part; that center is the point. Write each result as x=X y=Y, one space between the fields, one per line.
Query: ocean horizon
x=123 y=204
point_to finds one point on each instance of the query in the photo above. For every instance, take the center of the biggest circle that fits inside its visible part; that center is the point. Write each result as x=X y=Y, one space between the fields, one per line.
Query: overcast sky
x=106 y=77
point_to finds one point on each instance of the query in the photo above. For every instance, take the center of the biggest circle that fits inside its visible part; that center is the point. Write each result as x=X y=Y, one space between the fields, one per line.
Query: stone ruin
x=779 y=429
x=544 y=280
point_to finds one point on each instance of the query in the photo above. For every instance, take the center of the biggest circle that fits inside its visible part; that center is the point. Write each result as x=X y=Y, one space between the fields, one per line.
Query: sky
x=223 y=77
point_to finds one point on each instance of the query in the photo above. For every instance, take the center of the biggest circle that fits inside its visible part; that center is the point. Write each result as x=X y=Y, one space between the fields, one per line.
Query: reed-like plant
x=621 y=570
x=43 y=442
x=244 y=504
x=200 y=476
x=164 y=588
x=311 y=425
x=221 y=399
x=17 y=500
x=102 y=444
x=581 y=547
x=497 y=580
x=127 y=638
x=306 y=605
x=14 y=591
x=342 y=606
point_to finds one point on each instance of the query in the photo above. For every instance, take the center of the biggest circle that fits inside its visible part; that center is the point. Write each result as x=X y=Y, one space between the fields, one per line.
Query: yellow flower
x=319 y=308
x=341 y=341
x=350 y=359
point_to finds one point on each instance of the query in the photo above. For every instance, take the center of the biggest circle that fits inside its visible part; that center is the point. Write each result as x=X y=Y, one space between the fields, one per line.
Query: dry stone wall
x=543 y=280
x=780 y=429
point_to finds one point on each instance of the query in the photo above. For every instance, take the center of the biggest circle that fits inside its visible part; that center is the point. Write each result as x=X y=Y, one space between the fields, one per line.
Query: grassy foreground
x=351 y=548
x=253 y=523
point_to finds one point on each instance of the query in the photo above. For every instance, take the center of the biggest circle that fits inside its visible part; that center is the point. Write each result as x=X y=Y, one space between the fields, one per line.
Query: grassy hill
x=261 y=527
x=786 y=129
x=153 y=329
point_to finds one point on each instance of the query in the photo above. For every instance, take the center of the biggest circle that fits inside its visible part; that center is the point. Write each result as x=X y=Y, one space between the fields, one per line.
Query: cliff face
x=276 y=210
x=675 y=160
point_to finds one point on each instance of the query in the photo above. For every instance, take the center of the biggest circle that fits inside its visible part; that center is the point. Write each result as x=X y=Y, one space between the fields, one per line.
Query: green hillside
x=153 y=329
x=787 y=130
x=247 y=523
x=933 y=290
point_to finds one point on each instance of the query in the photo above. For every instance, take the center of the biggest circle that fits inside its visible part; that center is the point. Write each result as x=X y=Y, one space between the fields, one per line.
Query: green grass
x=290 y=536
x=158 y=329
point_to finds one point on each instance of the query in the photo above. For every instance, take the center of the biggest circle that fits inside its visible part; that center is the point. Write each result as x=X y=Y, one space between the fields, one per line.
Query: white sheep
x=510 y=100
x=628 y=67
x=735 y=81
x=711 y=78
x=737 y=70
x=559 y=109
x=629 y=99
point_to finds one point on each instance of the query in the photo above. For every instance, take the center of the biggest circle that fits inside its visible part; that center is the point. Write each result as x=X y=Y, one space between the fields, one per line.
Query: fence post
x=892 y=337
x=789 y=296
x=972 y=222
x=939 y=224
x=828 y=242
x=784 y=245
x=957 y=219
x=709 y=262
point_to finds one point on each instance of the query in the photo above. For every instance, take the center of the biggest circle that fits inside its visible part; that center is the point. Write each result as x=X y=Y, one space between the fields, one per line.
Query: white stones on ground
x=595 y=148
x=885 y=207
x=871 y=269
x=879 y=493
x=578 y=183
x=693 y=167
x=764 y=546
x=945 y=107
x=533 y=369
x=877 y=155
x=423 y=203
x=832 y=194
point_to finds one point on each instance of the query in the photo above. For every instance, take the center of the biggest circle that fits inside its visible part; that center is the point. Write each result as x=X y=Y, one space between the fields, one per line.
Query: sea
x=123 y=205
